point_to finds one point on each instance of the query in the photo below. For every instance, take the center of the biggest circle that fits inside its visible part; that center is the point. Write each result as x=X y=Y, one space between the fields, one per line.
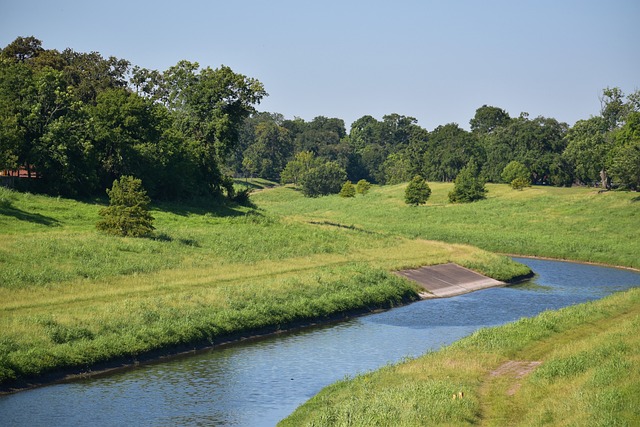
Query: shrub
x=516 y=170
x=363 y=186
x=520 y=183
x=417 y=192
x=468 y=186
x=324 y=179
x=348 y=190
x=127 y=213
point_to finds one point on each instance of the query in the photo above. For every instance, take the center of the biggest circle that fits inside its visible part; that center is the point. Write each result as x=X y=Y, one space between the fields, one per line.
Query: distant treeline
x=77 y=121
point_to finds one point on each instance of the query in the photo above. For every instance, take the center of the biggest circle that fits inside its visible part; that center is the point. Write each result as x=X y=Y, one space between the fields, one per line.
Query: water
x=260 y=382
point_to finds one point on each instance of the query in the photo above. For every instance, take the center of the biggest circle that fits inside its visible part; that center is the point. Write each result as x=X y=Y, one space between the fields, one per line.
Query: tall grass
x=566 y=223
x=589 y=376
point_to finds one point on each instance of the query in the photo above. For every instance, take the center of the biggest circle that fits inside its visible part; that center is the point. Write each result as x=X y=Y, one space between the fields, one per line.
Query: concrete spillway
x=446 y=280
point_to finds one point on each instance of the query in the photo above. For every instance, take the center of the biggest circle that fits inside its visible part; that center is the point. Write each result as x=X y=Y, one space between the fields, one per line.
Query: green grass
x=564 y=223
x=589 y=376
x=71 y=298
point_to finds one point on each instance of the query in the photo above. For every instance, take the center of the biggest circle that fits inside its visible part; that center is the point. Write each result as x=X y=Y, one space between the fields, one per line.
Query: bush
x=516 y=170
x=363 y=186
x=520 y=183
x=127 y=213
x=417 y=192
x=323 y=180
x=468 y=186
x=348 y=190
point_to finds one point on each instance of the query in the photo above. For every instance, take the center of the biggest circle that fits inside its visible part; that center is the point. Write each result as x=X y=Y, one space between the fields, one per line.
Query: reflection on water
x=258 y=383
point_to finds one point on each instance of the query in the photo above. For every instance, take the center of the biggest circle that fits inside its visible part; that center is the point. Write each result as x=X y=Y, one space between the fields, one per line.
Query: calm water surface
x=258 y=383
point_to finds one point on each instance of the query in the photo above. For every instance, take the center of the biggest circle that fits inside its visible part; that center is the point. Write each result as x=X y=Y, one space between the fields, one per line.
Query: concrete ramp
x=446 y=280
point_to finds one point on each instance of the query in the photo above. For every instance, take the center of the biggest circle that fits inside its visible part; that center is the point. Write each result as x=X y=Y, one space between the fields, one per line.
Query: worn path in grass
x=447 y=280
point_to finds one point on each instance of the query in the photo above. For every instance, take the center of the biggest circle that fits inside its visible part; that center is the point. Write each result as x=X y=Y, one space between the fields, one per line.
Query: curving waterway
x=257 y=383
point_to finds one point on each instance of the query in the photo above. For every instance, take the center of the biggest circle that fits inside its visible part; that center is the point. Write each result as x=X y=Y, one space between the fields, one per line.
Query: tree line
x=79 y=121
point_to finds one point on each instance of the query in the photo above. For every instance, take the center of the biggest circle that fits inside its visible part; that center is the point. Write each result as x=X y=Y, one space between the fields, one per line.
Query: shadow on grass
x=635 y=199
x=8 y=210
x=218 y=207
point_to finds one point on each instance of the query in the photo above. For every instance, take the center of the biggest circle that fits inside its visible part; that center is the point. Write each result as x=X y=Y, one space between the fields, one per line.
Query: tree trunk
x=605 y=181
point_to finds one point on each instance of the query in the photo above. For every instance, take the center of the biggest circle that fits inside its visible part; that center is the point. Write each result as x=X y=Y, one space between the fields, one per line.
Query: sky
x=436 y=61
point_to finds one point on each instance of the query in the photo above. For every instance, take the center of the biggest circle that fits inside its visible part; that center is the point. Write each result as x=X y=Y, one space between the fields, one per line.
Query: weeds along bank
x=588 y=375
x=72 y=298
x=577 y=224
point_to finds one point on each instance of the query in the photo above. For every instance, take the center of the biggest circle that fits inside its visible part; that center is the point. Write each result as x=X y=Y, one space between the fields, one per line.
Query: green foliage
x=363 y=186
x=348 y=190
x=625 y=156
x=417 y=191
x=515 y=170
x=298 y=167
x=520 y=183
x=127 y=213
x=468 y=187
x=323 y=180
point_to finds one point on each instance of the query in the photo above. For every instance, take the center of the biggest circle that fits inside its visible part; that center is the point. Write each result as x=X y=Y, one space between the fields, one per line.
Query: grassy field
x=564 y=223
x=71 y=298
x=587 y=373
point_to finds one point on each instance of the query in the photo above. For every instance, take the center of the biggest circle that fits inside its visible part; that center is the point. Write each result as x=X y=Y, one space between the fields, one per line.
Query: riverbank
x=579 y=365
x=77 y=300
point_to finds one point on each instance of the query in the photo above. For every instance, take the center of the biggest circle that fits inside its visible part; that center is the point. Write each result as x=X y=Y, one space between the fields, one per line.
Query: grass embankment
x=71 y=298
x=577 y=224
x=589 y=376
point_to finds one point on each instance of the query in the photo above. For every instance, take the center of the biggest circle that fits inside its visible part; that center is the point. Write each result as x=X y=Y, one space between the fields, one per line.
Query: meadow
x=579 y=224
x=72 y=299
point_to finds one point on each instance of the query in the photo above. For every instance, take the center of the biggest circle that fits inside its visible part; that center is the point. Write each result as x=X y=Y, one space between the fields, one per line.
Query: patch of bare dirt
x=517 y=370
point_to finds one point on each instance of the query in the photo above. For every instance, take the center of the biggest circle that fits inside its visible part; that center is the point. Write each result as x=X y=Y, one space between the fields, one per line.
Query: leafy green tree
x=625 y=156
x=417 y=191
x=268 y=155
x=323 y=180
x=298 y=167
x=363 y=186
x=348 y=190
x=449 y=148
x=127 y=213
x=488 y=118
x=397 y=168
x=516 y=170
x=468 y=186
x=588 y=149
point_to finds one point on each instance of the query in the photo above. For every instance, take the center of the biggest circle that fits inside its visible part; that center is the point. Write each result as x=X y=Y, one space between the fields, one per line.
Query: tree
x=268 y=155
x=488 y=118
x=417 y=192
x=127 y=213
x=363 y=186
x=625 y=156
x=323 y=180
x=516 y=171
x=298 y=167
x=588 y=149
x=348 y=190
x=468 y=186
x=449 y=148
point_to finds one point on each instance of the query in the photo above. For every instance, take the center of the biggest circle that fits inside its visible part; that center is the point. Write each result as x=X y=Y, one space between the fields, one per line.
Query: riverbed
x=257 y=383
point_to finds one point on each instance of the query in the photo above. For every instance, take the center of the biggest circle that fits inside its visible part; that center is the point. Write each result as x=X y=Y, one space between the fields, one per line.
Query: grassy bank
x=576 y=366
x=71 y=298
x=566 y=223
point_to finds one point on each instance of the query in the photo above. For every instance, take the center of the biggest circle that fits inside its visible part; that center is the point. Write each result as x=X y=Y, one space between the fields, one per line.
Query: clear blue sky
x=437 y=61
